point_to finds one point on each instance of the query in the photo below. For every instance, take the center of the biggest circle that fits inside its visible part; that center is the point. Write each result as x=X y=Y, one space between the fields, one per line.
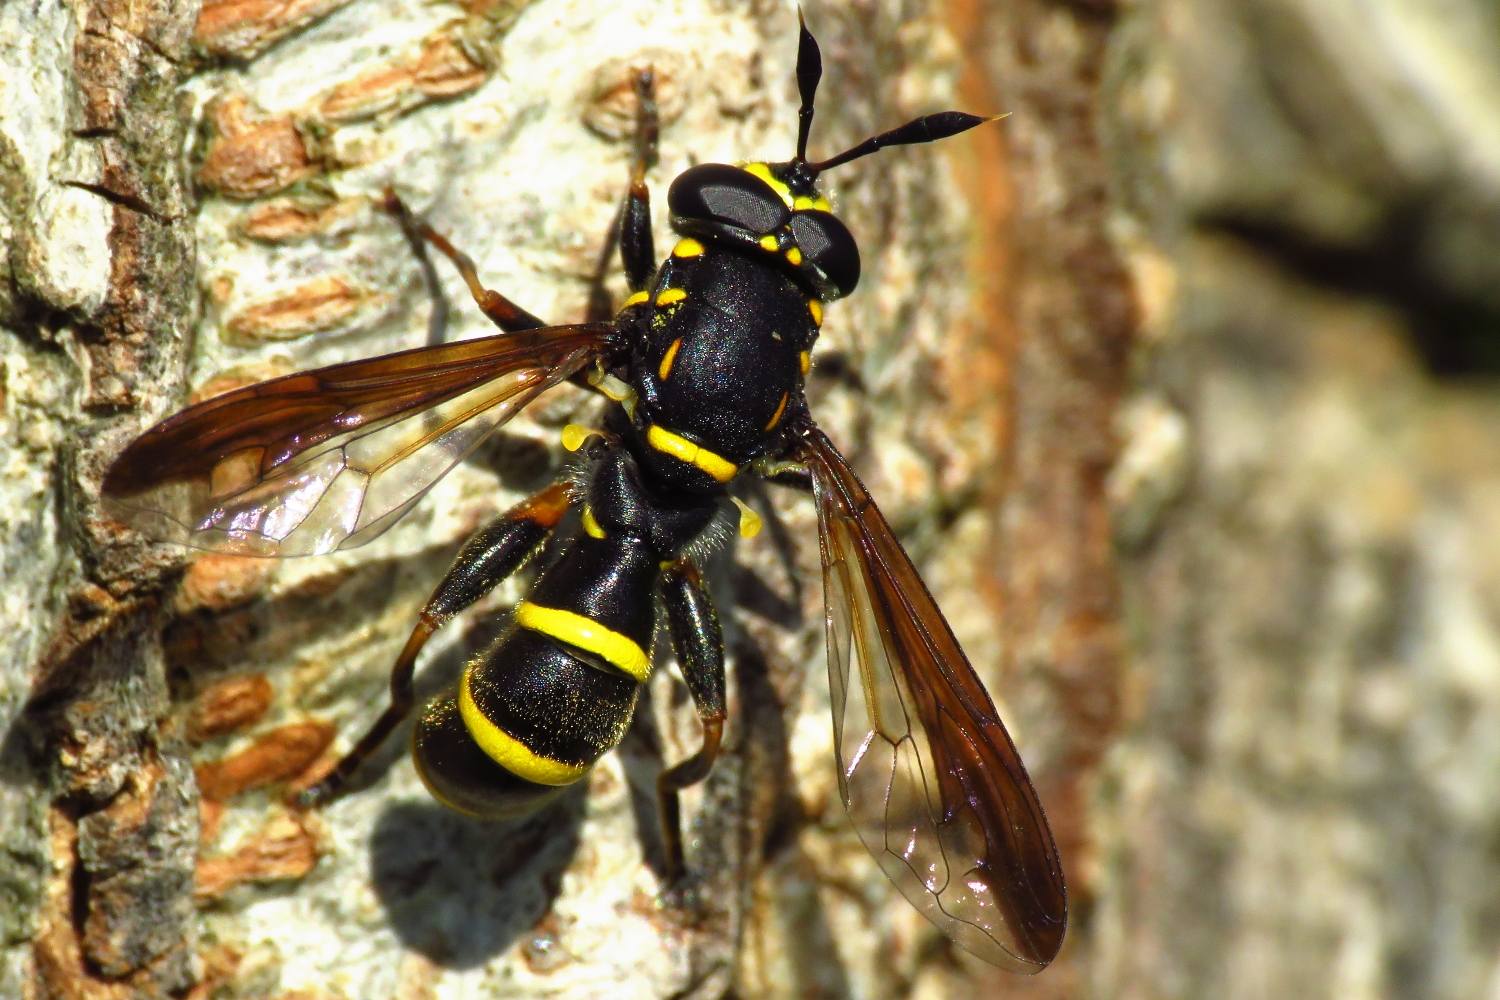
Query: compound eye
x=827 y=243
x=717 y=192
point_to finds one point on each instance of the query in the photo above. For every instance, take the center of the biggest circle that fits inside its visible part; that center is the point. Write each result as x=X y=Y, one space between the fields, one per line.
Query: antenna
x=928 y=128
x=809 y=72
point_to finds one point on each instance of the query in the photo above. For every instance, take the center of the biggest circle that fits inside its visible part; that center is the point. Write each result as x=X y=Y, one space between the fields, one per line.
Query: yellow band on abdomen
x=681 y=448
x=588 y=635
x=509 y=752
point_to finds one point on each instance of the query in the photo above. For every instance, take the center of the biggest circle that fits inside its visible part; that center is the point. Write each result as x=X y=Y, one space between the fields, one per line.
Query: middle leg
x=502 y=311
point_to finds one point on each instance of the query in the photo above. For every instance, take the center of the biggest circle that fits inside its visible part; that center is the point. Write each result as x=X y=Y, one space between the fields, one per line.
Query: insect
x=704 y=367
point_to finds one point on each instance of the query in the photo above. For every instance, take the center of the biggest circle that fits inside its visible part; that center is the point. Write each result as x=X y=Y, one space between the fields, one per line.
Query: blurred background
x=1302 y=799
x=1179 y=385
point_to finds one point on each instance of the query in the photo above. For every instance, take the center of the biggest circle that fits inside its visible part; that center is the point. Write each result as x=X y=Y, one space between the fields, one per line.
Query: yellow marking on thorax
x=590 y=523
x=802 y=203
x=777 y=184
x=670 y=295
x=588 y=635
x=816 y=308
x=689 y=453
x=770 y=243
x=687 y=247
x=666 y=362
x=750 y=521
x=507 y=751
x=805 y=360
x=780 y=409
x=793 y=256
x=636 y=299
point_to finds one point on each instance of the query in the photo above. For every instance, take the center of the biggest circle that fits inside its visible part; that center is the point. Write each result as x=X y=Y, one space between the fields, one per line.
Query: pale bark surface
x=1248 y=249
x=189 y=206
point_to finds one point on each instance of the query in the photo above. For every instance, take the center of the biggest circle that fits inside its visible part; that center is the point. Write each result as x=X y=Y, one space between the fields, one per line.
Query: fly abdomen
x=541 y=712
x=538 y=708
x=460 y=775
x=602 y=585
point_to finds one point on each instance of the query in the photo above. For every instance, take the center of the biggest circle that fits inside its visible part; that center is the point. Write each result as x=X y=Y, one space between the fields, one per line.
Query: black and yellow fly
x=704 y=365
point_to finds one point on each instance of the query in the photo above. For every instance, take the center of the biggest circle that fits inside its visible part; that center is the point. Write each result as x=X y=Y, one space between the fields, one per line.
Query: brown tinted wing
x=329 y=459
x=928 y=774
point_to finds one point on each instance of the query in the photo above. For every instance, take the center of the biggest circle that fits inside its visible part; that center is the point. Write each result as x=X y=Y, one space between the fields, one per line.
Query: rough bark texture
x=1179 y=386
x=188 y=206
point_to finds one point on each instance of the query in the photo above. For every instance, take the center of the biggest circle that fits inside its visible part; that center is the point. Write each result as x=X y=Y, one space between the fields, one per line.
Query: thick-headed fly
x=704 y=367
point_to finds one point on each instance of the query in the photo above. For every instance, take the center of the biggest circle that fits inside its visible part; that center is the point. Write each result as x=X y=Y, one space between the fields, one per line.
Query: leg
x=486 y=559
x=632 y=224
x=502 y=311
x=790 y=474
x=437 y=322
x=700 y=651
x=637 y=252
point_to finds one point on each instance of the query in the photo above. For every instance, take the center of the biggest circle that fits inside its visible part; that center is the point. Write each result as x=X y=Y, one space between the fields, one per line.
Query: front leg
x=492 y=554
x=632 y=225
x=637 y=251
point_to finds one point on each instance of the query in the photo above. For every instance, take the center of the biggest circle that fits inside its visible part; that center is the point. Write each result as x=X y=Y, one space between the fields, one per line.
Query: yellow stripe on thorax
x=780 y=409
x=509 y=752
x=665 y=370
x=588 y=635
x=686 y=451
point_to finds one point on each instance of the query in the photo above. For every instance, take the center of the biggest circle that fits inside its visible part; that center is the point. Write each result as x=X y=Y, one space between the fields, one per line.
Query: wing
x=928 y=774
x=329 y=459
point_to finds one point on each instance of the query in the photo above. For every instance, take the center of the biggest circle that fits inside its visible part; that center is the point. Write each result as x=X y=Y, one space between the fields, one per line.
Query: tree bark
x=190 y=206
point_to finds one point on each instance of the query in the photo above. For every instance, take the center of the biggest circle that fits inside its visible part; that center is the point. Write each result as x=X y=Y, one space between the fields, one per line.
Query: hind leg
x=492 y=554
x=699 y=645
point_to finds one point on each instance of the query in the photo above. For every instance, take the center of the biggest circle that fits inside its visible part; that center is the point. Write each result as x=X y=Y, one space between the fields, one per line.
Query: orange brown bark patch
x=220 y=965
x=316 y=772
x=280 y=755
x=217 y=582
x=320 y=305
x=210 y=816
x=252 y=158
x=243 y=29
x=283 y=849
x=287 y=220
x=232 y=704
x=441 y=70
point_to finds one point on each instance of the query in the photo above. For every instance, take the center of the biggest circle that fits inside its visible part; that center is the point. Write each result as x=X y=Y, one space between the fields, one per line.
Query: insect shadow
x=457 y=889
x=461 y=890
